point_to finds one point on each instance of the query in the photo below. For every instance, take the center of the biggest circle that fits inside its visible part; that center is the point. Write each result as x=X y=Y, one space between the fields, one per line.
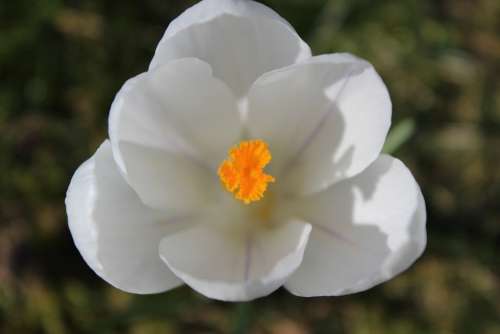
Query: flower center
x=242 y=173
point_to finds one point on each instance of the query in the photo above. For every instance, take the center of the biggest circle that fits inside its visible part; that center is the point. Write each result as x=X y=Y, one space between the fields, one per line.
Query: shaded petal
x=116 y=234
x=169 y=181
x=179 y=108
x=232 y=264
x=325 y=119
x=240 y=40
x=366 y=230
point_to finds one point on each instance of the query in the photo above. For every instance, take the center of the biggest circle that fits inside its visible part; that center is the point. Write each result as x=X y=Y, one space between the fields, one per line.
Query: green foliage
x=61 y=62
x=399 y=135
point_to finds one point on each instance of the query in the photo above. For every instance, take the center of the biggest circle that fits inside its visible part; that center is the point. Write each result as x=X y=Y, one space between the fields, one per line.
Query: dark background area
x=61 y=62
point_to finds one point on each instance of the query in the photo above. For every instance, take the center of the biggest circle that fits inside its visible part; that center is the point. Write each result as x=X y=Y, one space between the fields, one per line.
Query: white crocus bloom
x=305 y=198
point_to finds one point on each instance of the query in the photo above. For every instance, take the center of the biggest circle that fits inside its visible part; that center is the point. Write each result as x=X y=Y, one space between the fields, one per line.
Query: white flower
x=328 y=215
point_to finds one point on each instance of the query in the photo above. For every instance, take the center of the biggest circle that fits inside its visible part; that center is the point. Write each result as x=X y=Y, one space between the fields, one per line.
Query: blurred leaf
x=242 y=318
x=399 y=135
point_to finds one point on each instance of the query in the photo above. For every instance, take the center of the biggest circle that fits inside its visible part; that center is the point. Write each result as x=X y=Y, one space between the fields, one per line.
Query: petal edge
x=116 y=235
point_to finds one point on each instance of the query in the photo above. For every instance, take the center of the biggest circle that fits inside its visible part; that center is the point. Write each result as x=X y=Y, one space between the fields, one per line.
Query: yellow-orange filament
x=242 y=173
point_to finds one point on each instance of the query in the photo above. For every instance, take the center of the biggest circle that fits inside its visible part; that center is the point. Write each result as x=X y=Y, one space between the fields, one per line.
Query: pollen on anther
x=243 y=172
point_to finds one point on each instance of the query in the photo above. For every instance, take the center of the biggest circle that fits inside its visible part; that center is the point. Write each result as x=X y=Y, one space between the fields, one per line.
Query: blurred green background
x=61 y=62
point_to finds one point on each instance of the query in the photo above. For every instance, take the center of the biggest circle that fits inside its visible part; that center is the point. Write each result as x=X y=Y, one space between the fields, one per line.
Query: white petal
x=170 y=128
x=180 y=108
x=366 y=230
x=116 y=234
x=240 y=40
x=207 y=10
x=325 y=119
x=231 y=265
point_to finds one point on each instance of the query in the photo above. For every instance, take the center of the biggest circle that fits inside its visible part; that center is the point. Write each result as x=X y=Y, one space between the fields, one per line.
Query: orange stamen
x=242 y=173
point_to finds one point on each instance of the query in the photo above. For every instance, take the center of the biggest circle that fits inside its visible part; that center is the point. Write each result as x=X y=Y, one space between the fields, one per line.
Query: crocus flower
x=239 y=163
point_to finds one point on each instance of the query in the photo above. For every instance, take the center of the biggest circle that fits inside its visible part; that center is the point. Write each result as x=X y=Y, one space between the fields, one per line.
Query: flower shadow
x=347 y=243
x=354 y=244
